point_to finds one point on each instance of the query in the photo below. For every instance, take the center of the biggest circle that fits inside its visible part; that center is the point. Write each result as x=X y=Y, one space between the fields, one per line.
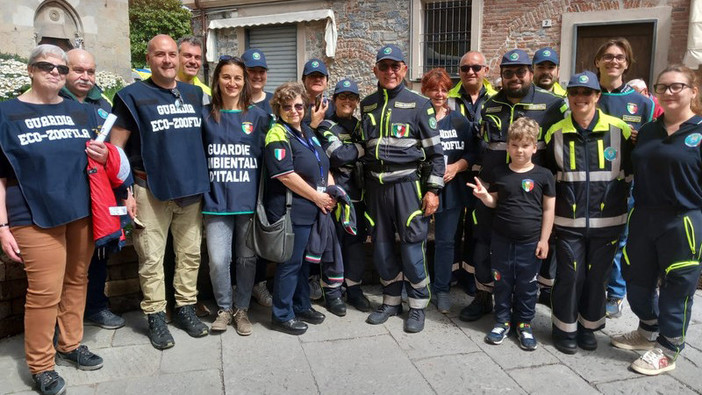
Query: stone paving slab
x=195 y=382
x=378 y=366
x=191 y=353
x=644 y=385
x=551 y=379
x=473 y=373
x=688 y=367
x=120 y=363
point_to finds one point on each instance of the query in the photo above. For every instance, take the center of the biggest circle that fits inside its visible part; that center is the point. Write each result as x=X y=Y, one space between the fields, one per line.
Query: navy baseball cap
x=515 y=57
x=254 y=58
x=390 y=51
x=315 y=66
x=346 y=85
x=586 y=79
x=546 y=55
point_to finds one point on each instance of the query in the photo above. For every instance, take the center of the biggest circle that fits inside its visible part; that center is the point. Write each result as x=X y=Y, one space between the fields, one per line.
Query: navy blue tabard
x=265 y=104
x=628 y=105
x=234 y=151
x=45 y=146
x=458 y=142
x=169 y=145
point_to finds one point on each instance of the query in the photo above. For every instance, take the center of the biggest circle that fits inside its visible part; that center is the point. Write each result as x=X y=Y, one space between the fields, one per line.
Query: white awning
x=330 y=34
x=693 y=55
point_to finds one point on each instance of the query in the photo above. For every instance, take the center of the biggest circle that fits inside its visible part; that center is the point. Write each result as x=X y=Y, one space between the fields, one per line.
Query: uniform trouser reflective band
x=435 y=180
x=593 y=176
x=594 y=325
x=370 y=220
x=390 y=176
x=404 y=142
x=414 y=214
x=421 y=284
x=397 y=278
x=489 y=287
x=475 y=218
x=648 y=335
x=690 y=233
x=351 y=283
x=392 y=300
x=468 y=267
x=680 y=265
x=432 y=141
x=499 y=146
x=456 y=266
x=334 y=284
x=419 y=189
x=594 y=222
x=543 y=281
x=564 y=326
x=417 y=303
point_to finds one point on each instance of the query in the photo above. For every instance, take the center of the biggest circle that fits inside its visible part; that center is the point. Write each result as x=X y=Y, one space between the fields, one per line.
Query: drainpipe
x=203 y=39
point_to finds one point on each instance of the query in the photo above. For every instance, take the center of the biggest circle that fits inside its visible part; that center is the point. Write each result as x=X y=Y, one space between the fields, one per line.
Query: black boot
x=481 y=305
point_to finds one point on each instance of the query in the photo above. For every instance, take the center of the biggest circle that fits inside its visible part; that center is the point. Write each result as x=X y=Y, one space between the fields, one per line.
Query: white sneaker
x=633 y=340
x=261 y=294
x=224 y=318
x=652 y=363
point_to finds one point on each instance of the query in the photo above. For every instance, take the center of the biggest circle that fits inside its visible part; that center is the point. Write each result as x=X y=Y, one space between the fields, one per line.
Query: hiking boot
x=81 y=357
x=356 y=298
x=527 y=341
x=633 y=340
x=382 y=313
x=614 y=307
x=105 y=319
x=224 y=318
x=498 y=334
x=159 y=335
x=315 y=288
x=415 y=321
x=49 y=383
x=442 y=301
x=241 y=323
x=653 y=362
x=336 y=306
x=185 y=319
x=481 y=305
x=262 y=295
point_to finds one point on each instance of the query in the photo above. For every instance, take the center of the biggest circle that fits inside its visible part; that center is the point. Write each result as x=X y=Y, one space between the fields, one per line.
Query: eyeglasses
x=347 y=96
x=49 y=67
x=609 y=57
x=507 y=74
x=289 y=107
x=475 y=67
x=80 y=71
x=675 y=87
x=581 y=92
x=225 y=58
x=385 y=66
x=179 y=99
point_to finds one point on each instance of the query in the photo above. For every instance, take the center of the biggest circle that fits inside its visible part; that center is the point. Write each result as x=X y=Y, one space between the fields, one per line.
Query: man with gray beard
x=518 y=98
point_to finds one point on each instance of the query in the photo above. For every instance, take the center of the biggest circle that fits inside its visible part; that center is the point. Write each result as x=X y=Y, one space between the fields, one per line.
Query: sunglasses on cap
x=225 y=58
x=49 y=67
x=507 y=74
x=475 y=67
x=288 y=107
x=581 y=92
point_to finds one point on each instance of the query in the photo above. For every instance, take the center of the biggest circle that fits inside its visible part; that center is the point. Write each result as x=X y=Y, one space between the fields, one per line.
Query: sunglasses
x=675 y=87
x=385 y=66
x=347 y=96
x=49 y=67
x=179 y=99
x=225 y=58
x=507 y=74
x=475 y=67
x=288 y=107
x=581 y=92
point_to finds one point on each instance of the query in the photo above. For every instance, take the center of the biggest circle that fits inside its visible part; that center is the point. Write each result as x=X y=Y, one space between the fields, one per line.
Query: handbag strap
x=259 y=199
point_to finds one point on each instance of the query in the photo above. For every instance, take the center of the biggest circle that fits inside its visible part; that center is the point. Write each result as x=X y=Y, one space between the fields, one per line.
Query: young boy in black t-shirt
x=523 y=195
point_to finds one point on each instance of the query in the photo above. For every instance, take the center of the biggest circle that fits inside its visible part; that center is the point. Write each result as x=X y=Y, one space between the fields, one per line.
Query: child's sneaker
x=498 y=333
x=526 y=337
x=653 y=362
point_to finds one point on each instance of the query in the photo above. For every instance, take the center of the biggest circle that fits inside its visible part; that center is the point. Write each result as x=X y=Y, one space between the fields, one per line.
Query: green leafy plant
x=148 y=18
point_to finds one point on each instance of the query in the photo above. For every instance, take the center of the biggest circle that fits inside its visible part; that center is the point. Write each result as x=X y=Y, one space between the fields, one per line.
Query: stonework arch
x=56 y=22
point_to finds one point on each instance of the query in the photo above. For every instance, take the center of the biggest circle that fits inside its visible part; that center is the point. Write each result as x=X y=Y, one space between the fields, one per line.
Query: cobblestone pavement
x=347 y=356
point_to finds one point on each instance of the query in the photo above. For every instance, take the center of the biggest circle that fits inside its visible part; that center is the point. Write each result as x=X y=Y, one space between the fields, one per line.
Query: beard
x=517 y=93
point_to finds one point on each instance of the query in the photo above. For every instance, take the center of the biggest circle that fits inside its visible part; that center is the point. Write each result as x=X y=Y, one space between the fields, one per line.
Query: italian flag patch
x=279 y=153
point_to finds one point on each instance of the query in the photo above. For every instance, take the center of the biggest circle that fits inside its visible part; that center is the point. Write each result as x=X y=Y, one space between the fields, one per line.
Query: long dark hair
x=244 y=97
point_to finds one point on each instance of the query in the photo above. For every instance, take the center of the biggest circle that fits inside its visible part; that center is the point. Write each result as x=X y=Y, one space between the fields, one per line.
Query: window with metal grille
x=446 y=37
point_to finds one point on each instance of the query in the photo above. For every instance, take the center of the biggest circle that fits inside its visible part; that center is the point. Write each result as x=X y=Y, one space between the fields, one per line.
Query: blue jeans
x=220 y=233
x=291 y=291
x=446 y=222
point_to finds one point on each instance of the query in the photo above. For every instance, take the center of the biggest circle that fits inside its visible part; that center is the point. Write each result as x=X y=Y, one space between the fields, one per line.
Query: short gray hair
x=44 y=50
x=192 y=40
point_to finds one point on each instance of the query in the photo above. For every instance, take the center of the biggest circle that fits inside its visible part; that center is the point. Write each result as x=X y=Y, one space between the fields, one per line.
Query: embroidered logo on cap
x=346 y=84
x=256 y=56
x=527 y=184
x=315 y=64
x=583 y=79
x=514 y=56
x=547 y=53
x=387 y=51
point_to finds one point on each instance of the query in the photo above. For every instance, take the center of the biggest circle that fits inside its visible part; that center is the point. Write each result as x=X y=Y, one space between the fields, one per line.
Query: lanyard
x=310 y=145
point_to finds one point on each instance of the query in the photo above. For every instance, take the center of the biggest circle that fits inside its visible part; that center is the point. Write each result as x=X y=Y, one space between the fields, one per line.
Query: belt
x=140 y=178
